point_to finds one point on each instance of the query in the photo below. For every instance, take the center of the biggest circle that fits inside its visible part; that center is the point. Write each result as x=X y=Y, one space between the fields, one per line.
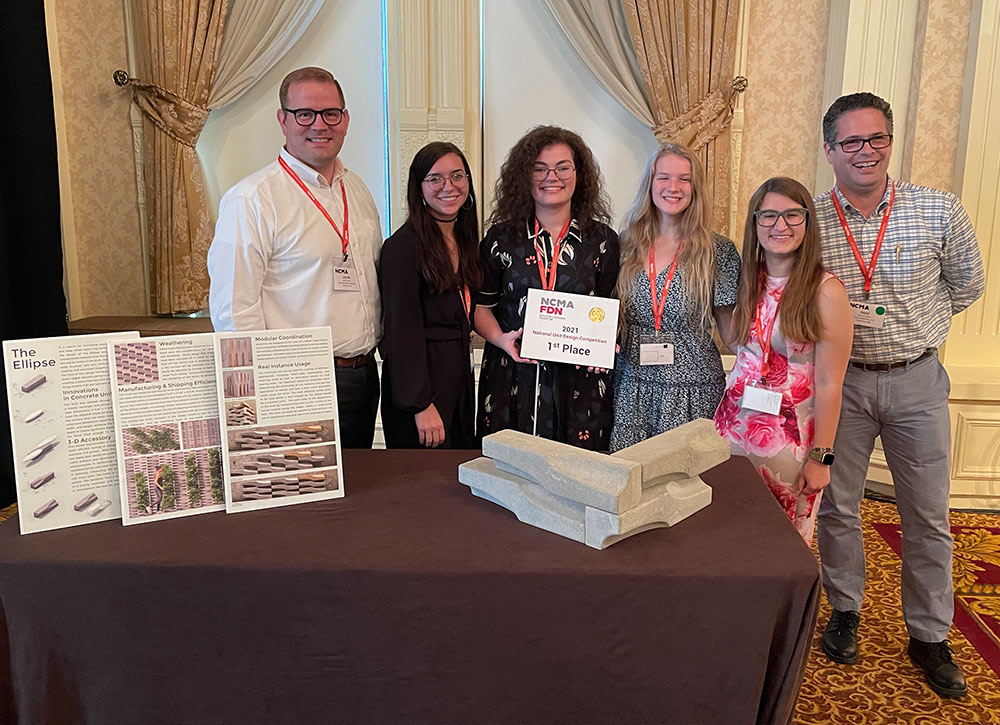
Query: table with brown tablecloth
x=409 y=600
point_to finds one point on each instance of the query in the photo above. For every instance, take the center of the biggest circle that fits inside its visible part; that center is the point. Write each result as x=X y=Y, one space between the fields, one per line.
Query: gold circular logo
x=596 y=314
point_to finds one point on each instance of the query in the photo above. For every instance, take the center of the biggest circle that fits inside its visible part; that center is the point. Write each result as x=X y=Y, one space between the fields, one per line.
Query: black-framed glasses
x=562 y=172
x=436 y=181
x=792 y=217
x=307 y=116
x=853 y=145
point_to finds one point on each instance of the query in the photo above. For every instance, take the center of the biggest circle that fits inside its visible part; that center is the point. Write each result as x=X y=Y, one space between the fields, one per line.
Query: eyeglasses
x=562 y=172
x=436 y=181
x=769 y=217
x=853 y=145
x=307 y=116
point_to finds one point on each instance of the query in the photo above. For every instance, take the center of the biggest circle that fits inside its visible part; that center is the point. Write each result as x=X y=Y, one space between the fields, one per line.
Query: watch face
x=824 y=457
x=827 y=459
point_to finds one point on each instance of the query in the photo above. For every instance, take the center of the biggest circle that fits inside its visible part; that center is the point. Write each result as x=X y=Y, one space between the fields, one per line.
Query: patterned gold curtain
x=687 y=52
x=177 y=45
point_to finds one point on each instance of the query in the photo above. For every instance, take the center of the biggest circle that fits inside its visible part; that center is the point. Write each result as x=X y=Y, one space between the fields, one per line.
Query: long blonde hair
x=642 y=224
x=800 y=320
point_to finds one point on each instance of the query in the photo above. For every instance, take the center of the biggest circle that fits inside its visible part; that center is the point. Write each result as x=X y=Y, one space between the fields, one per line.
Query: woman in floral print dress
x=792 y=323
x=549 y=203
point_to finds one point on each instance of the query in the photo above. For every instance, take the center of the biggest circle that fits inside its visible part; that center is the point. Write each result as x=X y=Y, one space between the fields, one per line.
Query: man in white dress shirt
x=297 y=245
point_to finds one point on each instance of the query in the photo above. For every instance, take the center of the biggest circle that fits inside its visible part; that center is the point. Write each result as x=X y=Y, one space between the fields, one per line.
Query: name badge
x=656 y=350
x=761 y=399
x=345 y=278
x=868 y=314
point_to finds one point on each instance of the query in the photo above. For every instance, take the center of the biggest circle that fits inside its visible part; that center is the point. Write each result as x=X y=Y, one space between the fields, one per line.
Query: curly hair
x=513 y=202
x=435 y=265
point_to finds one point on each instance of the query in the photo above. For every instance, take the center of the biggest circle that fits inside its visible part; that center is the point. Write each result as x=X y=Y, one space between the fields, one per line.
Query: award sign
x=568 y=328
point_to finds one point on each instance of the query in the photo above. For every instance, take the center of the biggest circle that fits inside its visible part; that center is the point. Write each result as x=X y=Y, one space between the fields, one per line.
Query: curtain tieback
x=180 y=119
x=705 y=120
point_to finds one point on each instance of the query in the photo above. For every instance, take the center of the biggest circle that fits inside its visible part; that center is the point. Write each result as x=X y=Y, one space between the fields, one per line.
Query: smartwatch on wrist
x=822 y=455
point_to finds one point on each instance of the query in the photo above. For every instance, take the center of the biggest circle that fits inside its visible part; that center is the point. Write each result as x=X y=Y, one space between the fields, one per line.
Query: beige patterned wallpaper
x=99 y=157
x=783 y=108
x=936 y=93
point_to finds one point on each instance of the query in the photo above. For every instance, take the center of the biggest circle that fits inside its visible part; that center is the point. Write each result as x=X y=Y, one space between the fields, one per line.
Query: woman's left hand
x=814 y=478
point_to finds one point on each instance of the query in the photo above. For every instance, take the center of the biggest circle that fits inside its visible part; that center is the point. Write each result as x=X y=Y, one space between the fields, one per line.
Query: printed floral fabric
x=778 y=445
x=652 y=399
x=574 y=404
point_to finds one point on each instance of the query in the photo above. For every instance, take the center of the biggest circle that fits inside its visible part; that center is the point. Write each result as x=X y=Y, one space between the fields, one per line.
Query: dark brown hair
x=432 y=253
x=800 y=319
x=309 y=73
x=512 y=194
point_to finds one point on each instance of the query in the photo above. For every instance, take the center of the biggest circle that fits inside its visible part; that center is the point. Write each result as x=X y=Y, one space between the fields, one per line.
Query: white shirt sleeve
x=237 y=264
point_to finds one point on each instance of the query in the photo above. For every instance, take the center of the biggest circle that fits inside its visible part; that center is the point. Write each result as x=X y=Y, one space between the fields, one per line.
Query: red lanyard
x=765 y=340
x=658 y=303
x=466 y=301
x=550 y=273
x=345 y=238
x=869 y=271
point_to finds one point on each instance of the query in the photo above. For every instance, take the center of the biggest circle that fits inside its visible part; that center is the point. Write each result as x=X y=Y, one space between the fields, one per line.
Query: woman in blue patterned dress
x=677 y=279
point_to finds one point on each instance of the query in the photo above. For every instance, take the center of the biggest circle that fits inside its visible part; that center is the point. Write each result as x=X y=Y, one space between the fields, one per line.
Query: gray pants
x=908 y=407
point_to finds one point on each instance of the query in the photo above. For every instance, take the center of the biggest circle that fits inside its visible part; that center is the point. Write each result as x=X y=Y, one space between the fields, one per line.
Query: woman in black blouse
x=428 y=275
x=549 y=230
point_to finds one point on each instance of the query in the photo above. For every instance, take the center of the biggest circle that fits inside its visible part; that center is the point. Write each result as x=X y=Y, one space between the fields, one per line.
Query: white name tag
x=345 y=278
x=766 y=401
x=656 y=353
x=868 y=314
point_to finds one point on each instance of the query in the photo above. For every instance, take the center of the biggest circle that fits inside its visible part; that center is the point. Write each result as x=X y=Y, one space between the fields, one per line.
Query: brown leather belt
x=885 y=367
x=354 y=362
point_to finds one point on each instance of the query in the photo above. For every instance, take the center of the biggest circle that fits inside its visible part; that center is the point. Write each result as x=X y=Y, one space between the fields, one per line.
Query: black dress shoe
x=840 y=638
x=940 y=670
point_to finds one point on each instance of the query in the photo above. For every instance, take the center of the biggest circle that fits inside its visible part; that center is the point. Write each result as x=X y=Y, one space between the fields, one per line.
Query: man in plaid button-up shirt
x=909 y=259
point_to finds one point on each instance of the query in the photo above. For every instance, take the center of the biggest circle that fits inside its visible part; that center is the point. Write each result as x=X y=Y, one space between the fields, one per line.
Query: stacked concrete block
x=281 y=487
x=241 y=413
x=300 y=435
x=276 y=463
x=593 y=498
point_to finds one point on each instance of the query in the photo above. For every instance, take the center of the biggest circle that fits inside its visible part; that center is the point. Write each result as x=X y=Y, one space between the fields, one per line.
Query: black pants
x=357 y=403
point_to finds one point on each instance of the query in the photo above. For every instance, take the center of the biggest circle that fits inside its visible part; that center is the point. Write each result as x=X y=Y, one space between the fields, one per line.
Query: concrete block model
x=594 y=498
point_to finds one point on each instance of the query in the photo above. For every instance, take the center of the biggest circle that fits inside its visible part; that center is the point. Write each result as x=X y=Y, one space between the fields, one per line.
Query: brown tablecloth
x=410 y=600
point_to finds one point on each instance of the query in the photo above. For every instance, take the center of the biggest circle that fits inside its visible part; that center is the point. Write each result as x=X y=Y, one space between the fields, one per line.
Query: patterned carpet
x=884 y=686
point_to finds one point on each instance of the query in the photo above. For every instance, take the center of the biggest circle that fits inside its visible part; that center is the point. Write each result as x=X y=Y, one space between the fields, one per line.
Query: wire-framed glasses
x=436 y=181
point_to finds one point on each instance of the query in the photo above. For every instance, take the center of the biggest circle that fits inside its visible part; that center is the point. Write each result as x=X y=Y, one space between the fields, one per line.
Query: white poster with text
x=281 y=435
x=62 y=430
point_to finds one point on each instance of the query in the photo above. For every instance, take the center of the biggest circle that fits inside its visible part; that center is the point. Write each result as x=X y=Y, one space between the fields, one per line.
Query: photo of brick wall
x=236 y=352
x=200 y=433
x=151 y=439
x=259 y=489
x=135 y=362
x=282 y=436
x=237 y=383
x=241 y=412
x=176 y=481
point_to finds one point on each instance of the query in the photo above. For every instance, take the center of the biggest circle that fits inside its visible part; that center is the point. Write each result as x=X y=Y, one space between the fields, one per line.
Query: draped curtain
x=686 y=50
x=185 y=66
x=670 y=63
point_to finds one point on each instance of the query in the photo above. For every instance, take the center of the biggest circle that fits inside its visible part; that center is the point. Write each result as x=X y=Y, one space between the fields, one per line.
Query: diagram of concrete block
x=35 y=382
x=241 y=412
x=136 y=363
x=299 y=434
x=40 y=451
x=238 y=383
x=593 y=498
x=236 y=352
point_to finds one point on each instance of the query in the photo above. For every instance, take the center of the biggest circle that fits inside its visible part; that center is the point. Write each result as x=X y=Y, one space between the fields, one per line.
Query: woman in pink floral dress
x=792 y=332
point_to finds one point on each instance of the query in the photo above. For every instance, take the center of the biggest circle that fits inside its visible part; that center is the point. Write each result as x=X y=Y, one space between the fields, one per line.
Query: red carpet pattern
x=884 y=686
